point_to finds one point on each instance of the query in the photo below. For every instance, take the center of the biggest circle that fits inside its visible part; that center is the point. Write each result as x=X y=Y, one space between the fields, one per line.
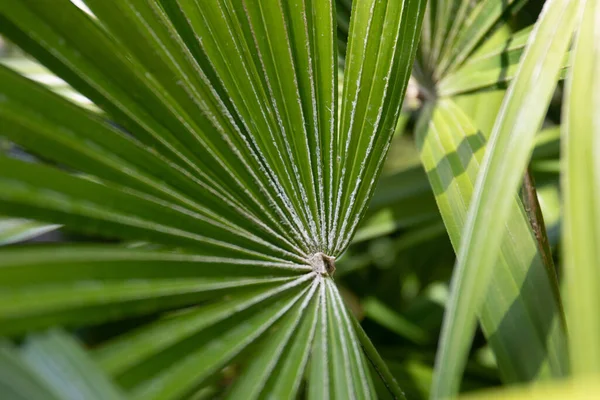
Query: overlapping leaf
x=581 y=185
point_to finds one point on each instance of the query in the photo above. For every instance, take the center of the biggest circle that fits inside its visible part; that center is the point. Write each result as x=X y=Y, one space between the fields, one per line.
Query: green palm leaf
x=489 y=68
x=581 y=185
x=219 y=140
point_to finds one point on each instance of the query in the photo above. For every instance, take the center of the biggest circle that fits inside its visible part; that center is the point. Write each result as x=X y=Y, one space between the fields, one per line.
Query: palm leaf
x=218 y=141
x=489 y=68
x=466 y=36
x=581 y=183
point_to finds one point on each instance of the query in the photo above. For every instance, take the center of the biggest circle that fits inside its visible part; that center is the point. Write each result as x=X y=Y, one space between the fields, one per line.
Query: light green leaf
x=490 y=69
x=581 y=389
x=480 y=20
x=581 y=186
x=521 y=317
x=502 y=169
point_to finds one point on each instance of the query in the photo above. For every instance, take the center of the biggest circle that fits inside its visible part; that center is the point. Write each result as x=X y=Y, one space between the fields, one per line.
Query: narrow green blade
x=382 y=314
x=289 y=372
x=17 y=230
x=481 y=19
x=581 y=186
x=490 y=69
x=215 y=352
x=48 y=194
x=152 y=344
x=81 y=285
x=253 y=381
x=382 y=44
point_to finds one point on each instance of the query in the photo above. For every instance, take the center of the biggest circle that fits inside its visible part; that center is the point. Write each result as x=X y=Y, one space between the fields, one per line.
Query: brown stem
x=536 y=220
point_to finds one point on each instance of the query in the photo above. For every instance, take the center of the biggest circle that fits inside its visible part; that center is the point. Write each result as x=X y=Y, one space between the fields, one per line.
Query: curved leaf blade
x=581 y=184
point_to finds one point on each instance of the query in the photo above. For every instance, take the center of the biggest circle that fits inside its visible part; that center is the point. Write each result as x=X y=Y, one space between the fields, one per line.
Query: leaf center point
x=322 y=263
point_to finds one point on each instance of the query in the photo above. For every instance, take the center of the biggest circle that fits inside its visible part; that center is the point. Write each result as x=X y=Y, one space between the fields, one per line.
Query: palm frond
x=220 y=141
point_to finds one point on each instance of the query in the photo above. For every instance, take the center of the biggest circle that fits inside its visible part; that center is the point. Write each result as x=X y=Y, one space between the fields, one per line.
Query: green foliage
x=298 y=199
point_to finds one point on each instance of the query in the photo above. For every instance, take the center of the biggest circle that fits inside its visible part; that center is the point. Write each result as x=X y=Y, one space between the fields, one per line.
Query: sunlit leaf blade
x=51 y=195
x=480 y=20
x=18 y=381
x=585 y=389
x=437 y=25
x=166 y=119
x=490 y=65
x=521 y=316
x=16 y=230
x=76 y=138
x=581 y=185
x=501 y=172
x=66 y=367
x=457 y=11
x=490 y=69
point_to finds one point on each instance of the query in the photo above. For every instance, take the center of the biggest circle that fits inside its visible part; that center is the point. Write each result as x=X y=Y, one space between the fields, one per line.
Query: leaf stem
x=536 y=220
